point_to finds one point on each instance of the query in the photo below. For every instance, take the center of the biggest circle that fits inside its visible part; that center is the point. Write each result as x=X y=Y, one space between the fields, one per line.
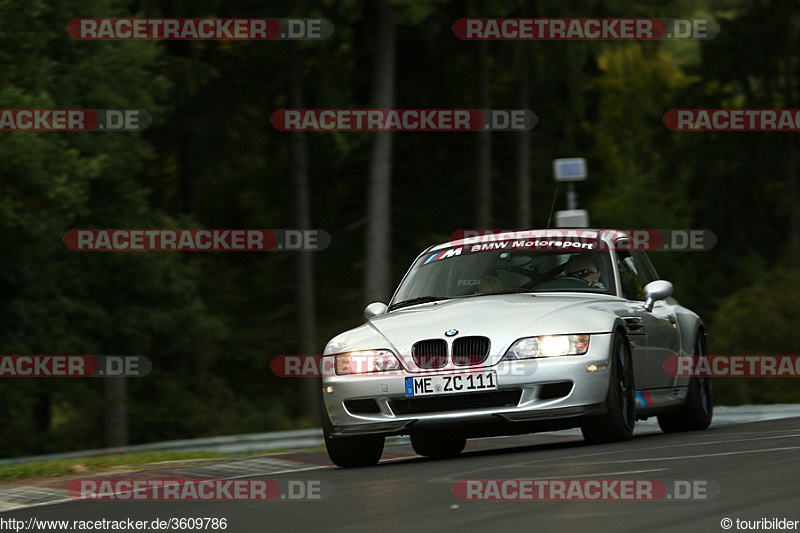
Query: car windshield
x=459 y=273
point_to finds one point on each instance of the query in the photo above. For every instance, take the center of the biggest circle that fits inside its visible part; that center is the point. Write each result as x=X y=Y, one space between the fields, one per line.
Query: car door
x=660 y=332
x=664 y=337
x=637 y=320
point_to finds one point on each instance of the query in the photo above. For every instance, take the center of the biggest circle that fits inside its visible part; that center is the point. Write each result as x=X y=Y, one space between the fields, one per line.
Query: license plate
x=451 y=384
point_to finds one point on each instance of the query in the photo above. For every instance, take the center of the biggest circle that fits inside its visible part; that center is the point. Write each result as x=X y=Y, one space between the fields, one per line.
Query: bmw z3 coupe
x=515 y=335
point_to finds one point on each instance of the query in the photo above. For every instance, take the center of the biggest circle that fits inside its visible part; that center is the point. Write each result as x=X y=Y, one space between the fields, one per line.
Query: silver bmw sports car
x=524 y=332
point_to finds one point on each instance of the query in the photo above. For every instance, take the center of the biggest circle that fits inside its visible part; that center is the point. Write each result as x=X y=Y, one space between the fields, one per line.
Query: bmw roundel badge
x=451 y=332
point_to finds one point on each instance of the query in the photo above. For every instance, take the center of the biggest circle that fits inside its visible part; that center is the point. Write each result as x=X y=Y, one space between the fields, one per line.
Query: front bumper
x=536 y=393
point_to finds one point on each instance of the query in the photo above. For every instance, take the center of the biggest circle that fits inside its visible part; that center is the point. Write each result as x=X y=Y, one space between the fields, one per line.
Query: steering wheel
x=564 y=283
x=581 y=280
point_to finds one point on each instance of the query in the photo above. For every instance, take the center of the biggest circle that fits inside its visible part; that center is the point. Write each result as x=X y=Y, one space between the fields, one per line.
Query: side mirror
x=655 y=291
x=376 y=309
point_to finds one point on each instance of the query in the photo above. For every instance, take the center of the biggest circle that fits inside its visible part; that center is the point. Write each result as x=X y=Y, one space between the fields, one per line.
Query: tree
x=305 y=301
x=378 y=246
x=56 y=301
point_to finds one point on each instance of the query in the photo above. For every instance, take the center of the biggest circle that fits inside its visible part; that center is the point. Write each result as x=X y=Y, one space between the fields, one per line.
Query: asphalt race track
x=756 y=467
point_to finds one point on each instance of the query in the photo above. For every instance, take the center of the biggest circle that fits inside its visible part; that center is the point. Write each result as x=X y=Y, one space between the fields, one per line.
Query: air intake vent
x=470 y=350
x=456 y=402
x=430 y=353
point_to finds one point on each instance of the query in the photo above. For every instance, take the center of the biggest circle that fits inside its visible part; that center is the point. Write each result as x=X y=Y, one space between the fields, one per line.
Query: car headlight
x=548 y=346
x=366 y=361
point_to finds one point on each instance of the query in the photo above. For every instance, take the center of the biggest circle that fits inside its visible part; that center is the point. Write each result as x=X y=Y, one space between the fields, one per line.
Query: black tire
x=696 y=414
x=440 y=445
x=351 y=452
x=618 y=422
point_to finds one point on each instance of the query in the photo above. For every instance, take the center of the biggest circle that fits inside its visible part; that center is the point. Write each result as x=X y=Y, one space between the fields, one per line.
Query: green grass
x=135 y=461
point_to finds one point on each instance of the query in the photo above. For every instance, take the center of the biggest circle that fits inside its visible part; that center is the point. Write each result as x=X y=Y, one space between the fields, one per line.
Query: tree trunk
x=523 y=148
x=484 y=198
x=43 y=412
x=305 y=298
x=791 y=160
x=115 y=414
x=378 y=248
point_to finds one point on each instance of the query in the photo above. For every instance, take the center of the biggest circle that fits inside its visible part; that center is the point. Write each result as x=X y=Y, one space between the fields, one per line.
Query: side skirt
x=652 y=402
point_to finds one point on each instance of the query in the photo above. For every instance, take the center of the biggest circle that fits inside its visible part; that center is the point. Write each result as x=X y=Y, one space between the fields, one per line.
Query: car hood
x=502 y=318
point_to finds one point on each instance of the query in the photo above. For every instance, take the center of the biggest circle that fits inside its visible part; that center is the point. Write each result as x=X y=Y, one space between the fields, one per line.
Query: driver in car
x=581 y=267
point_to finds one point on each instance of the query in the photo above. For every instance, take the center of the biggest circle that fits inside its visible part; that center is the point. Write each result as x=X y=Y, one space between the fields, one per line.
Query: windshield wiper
x=506 y=291
x=414 y=301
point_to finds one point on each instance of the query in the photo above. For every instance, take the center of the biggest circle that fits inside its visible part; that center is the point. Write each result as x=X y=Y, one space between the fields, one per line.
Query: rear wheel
x=438 y=444
x=699 y=408
x=351 y=452
x=617 y=424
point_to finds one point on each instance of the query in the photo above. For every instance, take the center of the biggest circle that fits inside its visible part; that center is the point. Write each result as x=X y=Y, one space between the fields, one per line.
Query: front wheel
x=699 y=408
x=617 y=424
x=351 y=452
